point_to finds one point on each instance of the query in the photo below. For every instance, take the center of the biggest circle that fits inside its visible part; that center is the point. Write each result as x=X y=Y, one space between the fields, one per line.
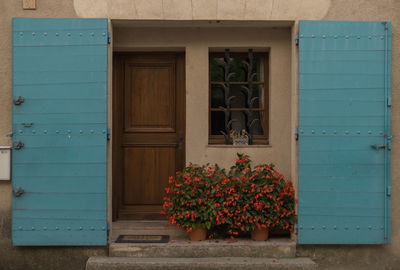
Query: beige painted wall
x=197 y=42
x=329 y=257
x=203 y=9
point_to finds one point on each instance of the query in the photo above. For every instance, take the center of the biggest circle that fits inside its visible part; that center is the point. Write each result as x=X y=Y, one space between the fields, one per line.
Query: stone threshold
x=221 y=263
x=273 y=248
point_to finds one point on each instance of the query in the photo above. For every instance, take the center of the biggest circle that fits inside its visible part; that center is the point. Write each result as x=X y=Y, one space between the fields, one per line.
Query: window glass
x=238 y=96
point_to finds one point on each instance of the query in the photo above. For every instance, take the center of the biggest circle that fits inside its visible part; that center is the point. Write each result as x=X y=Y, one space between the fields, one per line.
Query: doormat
x=142 y=239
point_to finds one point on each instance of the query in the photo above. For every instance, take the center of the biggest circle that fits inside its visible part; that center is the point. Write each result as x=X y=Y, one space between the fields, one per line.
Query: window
x=238 y=104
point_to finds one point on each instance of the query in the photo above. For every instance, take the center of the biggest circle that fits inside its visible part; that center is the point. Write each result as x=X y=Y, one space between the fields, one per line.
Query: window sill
x=239 y=146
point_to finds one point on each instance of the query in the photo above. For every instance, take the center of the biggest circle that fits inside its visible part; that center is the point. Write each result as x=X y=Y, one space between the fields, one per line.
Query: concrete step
x=273 y=248
x=146 y=228
x=221 y=263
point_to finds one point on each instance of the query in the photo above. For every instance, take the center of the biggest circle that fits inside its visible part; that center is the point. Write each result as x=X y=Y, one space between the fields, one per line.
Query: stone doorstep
x=222 y=263
x=273 y=248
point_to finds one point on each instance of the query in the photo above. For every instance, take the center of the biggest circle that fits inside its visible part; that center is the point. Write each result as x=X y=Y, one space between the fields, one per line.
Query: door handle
x=180 y=140
x=377 y=147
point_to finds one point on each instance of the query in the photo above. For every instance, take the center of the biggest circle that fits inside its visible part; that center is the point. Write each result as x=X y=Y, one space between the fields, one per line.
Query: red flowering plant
x=254 y=198
x=228 y=208
x=189 y=202
x=229 y=202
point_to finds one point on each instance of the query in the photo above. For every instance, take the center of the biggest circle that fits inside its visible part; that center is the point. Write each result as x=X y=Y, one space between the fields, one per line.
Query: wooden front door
x=148 y=130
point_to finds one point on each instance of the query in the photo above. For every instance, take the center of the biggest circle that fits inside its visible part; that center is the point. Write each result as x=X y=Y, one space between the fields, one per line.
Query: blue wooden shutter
x=59 y=118
x=344 y=132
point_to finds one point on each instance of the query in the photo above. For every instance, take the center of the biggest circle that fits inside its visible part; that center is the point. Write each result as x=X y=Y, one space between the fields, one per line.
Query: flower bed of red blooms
x=228 y=204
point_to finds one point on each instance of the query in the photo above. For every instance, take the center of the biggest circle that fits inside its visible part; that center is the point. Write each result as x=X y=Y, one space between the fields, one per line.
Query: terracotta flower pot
x=198 y=234
x=259 y=234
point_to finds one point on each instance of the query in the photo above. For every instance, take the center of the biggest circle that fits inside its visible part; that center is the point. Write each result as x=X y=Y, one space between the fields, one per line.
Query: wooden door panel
x=146 y=174
x=148 y=130
x=150 y=97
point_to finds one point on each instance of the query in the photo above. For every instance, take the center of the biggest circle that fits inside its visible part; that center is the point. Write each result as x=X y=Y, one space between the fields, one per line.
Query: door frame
x=118 y=79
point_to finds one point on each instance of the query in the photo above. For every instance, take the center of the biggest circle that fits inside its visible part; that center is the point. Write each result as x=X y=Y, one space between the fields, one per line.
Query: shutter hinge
x=108 y=134
x=296 y=134
x=10 y=134
x=389 y=142
x=109 y=38
x=108 y=229
x=18 y=101
x=17 y=145
x=389 y=191
x=386 y=25
x=389 y=102
x=296 y=229
x=297 y=40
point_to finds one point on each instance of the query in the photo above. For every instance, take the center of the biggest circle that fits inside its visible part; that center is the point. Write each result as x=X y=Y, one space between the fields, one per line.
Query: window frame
x=257 y=139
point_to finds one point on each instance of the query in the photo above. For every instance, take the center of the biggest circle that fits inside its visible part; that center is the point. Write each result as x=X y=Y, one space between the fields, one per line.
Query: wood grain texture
x=146 y=173
x=149 y=97
x=150 y=116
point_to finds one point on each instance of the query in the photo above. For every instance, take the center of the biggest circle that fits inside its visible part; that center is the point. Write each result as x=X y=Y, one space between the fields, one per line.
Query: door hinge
x=297 y=40
x=108 y=134
x=296 y=134
x=389 y=191
x=109 y=38
x=389 y=102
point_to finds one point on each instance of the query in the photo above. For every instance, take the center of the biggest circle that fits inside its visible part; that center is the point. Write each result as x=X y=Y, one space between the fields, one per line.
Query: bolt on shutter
x=59 y=121
x=344 y=132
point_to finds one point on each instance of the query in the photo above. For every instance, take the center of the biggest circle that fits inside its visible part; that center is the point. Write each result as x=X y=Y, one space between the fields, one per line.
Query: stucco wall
x=329 y=257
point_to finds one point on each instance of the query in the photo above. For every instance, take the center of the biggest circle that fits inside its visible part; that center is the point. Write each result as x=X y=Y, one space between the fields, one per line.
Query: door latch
x=377 y=147
x=180 y=138
x=19 y=100
x=18 y=192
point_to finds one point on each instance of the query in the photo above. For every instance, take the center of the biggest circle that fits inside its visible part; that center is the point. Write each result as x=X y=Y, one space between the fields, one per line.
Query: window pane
x=240 y=96
x=239 y=100
x=244 y=107
x=217 y=71
x=217 y=122
x=240 y=121
x=258 y=91
x=217 y=96
x=258 y=127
